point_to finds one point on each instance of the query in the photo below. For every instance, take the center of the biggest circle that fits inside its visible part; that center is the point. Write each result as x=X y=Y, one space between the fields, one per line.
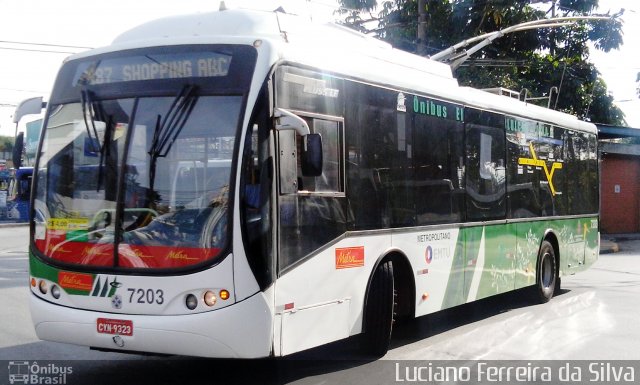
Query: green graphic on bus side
x=509 y=256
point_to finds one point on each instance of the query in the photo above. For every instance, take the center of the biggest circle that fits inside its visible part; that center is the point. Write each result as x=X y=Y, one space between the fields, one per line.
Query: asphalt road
x=594 y=318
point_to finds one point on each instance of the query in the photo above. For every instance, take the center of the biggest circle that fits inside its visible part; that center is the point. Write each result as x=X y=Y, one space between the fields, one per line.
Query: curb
x=13 y=224
x=608 y=247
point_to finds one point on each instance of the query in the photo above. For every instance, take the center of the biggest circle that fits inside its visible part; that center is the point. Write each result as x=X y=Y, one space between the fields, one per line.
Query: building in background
x=620 y=179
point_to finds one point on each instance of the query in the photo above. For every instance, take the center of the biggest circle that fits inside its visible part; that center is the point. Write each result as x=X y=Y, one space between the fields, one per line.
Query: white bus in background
x=345 y=174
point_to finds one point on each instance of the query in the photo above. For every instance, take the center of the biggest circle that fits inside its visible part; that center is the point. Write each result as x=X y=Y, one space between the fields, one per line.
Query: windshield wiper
x=95 y=113
x=87 y=109
x=168 y=128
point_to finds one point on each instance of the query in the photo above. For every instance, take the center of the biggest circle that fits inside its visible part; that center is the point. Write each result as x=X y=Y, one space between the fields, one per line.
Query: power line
x=44 y=44
x=21 y=90
x=38 y=50
x=63 y=49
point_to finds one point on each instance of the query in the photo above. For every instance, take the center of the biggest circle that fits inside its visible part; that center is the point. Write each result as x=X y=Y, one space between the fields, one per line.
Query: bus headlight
x=55 y=291
x=210 y=298
x=191 y=301
x=43 y=287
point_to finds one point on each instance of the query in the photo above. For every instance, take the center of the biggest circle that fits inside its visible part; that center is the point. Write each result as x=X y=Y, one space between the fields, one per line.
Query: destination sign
x=528 y=127
x=153 y=67
x=430 y=107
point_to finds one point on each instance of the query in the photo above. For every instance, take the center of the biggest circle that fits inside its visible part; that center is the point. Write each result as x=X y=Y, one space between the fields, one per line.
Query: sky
x=26 y=70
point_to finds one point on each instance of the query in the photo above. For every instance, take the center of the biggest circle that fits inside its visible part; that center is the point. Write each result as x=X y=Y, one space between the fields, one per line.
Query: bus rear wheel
x=379 y=311
x=546 y=277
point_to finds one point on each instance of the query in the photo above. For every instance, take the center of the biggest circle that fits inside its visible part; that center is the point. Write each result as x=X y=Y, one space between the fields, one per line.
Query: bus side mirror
x=286 y=120
x=312 y=155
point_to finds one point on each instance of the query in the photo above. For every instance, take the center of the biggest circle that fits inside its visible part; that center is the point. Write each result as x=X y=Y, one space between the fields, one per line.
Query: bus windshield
x=137 y=181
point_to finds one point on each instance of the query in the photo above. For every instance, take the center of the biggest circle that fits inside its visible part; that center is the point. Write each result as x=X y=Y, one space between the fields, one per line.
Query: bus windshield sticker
x=67 y=224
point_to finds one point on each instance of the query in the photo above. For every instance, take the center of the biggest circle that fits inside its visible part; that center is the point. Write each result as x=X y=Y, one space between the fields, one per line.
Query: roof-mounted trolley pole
x=455 y=58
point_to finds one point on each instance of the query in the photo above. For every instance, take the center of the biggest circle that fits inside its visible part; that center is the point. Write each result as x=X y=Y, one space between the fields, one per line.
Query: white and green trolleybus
x=249 y=184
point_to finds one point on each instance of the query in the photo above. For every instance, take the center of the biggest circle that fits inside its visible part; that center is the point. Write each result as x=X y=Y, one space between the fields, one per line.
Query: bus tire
x=546 y=276
x=379 y=311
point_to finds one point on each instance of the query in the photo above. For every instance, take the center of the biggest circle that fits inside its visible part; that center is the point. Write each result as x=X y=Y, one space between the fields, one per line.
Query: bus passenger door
x=311 y=305
x=313 y=296
x=490 y=247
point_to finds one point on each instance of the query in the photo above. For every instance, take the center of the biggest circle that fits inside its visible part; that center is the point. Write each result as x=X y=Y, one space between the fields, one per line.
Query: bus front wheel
x=379 y=311
x=546 y=276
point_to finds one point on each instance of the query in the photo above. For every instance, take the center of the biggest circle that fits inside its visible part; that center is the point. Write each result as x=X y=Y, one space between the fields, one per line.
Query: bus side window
x=312 y=210
x=485 y=181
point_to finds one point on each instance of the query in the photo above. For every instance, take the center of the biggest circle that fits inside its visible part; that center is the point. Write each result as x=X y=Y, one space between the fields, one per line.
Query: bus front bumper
x=242 y=330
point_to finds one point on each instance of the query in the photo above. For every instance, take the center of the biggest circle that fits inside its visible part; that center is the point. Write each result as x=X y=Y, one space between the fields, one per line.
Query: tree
x=6 y=143
x=534 y=60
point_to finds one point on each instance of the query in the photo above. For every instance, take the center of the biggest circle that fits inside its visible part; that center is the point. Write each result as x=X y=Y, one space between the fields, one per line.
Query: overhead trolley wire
x=63 y=49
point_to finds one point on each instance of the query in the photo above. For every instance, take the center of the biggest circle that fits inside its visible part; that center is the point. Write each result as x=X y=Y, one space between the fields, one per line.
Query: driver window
x=291 y=145
x=312 y=210
x=331 y=179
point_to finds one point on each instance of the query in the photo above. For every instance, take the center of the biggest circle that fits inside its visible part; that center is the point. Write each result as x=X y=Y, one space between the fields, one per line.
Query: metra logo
x=535 y=162
x=348 y=257
x=75 y=281
x=428 y=254
x=105 y=288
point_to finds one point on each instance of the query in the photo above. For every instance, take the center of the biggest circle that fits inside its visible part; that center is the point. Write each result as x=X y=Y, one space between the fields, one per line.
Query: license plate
x=114 y=326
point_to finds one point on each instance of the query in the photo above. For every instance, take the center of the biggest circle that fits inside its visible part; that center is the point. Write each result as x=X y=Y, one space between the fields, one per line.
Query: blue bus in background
x=15 y=184
x=17 y=205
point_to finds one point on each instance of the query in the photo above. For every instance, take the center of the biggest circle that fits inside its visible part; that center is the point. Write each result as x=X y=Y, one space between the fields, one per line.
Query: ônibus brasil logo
x=32 y=373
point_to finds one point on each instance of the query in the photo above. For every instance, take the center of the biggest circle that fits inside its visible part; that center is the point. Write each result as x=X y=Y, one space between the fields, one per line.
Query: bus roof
x=332 y=48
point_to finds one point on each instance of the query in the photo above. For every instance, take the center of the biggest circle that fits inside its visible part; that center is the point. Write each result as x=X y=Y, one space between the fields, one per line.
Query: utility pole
x=552 y=47
x=422 y=28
